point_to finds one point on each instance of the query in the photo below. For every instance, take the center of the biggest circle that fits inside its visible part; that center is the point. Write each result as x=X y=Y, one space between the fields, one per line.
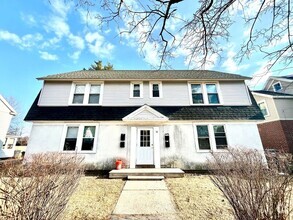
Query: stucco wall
x=181 y=153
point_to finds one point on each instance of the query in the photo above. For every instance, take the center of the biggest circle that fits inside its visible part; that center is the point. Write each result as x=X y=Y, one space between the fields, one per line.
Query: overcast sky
x=38 y=38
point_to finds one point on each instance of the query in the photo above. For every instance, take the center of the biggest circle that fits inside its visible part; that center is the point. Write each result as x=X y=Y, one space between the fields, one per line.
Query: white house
x=146 y=118
x=6 y=114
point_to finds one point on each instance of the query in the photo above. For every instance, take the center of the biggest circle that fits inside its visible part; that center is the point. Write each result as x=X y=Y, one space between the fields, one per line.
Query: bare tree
x=40 y=188
x=16 y=124
x=255 y=189
x=200 y=34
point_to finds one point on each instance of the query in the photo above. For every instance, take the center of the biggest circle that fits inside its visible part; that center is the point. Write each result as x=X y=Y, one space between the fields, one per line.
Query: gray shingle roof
x=144 y=74
x=94 y=113
x=287 y=77
x=271 y=93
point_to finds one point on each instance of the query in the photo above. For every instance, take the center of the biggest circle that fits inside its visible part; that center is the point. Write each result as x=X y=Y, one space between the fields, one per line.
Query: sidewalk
x=145 y=200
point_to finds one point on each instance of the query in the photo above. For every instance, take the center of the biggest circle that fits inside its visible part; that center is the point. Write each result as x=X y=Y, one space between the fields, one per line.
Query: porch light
x=167 y=140
x=122 y=140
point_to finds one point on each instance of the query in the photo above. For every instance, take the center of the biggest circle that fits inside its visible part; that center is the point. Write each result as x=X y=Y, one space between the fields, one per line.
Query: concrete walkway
x=145 y=200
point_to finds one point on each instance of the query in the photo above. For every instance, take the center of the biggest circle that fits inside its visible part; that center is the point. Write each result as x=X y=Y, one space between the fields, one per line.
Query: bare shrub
x=254 y=188
x=40 y=187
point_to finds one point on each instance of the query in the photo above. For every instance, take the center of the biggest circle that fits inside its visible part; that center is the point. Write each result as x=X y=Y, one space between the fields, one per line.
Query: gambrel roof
x=144 y=75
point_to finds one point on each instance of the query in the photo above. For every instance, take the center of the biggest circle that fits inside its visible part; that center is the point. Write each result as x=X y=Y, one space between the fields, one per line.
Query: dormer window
x=136 y=90
x=277 y=86
x=86 y=94
x=156 y=90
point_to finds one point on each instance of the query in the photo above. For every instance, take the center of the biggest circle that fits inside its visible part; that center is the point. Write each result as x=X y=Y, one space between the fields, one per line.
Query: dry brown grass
x=93 y=199
x=196 y=197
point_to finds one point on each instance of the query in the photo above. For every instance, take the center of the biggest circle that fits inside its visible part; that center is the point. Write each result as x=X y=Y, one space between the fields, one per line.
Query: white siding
x=284 y=108
x=234 y=93
x=55 y=94
x=118 y=94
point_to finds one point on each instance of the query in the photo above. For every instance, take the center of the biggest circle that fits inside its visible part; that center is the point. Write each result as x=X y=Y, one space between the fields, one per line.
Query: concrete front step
x=166 y=172
x=145 y=177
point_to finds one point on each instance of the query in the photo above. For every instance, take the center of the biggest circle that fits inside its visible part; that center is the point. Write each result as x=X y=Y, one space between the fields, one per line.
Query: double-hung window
x=204 y=93
x=94 y=96
x=211 y=137
x=78 y=96
x=87 y=94
x=136 y=89
x=203 y=137
x=212 y=93
x=197 y=95
x=156 y=89
x=80 y=138
x=71 y=139
x=220 y=137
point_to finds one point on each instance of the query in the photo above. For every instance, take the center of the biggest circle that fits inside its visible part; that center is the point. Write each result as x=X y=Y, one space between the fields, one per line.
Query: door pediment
x=145 y=113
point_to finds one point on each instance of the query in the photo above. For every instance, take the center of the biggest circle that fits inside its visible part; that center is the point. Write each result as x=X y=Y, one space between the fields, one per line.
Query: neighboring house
x=148 y=118
x=6 y=114
x=276 y=104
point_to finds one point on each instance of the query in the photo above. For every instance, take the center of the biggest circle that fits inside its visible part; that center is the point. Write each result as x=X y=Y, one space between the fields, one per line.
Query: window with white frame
x=197 y=95
x=88 y=138
x=203 y=137
x=277 y=86
x=136 y=89
x=204 y=93
x=220 y=137
x=155 y=89
x=71 y=139
x=78 y=96
x=80 y=138
x=263 y=107
x=211 y=137
x=213 y=97
x=94 y=96
x=87 y=94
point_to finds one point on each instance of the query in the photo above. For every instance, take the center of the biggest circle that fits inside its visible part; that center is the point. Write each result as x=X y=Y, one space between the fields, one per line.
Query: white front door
x=145 y=147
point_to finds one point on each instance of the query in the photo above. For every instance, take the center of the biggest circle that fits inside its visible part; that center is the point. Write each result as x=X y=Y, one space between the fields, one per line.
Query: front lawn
x=197 y=198
x=93 y=199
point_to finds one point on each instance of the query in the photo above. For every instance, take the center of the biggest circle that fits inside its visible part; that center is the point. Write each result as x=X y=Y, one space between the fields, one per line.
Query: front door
x=145 y=147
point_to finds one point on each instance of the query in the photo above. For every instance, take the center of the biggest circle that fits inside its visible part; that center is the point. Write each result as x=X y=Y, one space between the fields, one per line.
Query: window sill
x=136 y=97
x=204 y=151
x=78 y=152
x=207 y=104
x=85 y=104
